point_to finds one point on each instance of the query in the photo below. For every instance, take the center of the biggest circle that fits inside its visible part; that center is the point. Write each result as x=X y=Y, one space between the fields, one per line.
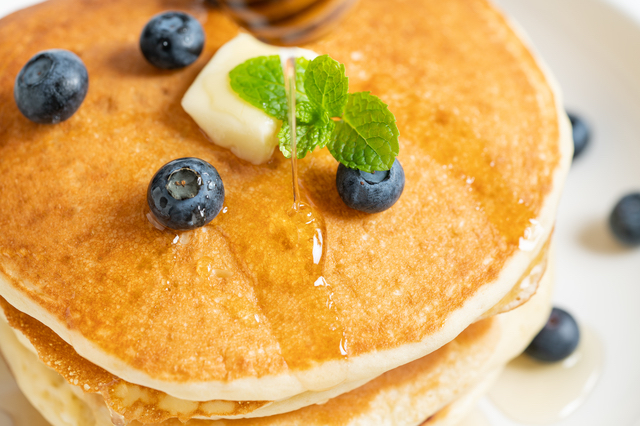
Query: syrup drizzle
x=282 y=249
x=311 y=232
x=532 y=392
x=289 y=66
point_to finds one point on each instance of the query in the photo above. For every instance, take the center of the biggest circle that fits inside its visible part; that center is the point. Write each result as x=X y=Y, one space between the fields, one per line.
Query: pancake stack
x=108 y=319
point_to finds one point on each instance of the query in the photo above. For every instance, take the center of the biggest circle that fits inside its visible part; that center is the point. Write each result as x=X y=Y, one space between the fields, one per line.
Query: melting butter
x=227 y=119
x=532 y=392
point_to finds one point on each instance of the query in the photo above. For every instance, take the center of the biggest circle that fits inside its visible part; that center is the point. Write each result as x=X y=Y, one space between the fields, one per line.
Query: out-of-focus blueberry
x=172 y=40
x=625 y=219
x=581 y=133
x=51 y=86
x=557 y=340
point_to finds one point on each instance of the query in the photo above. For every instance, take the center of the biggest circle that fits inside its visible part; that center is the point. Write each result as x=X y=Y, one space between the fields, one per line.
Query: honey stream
x=309 y=324
x=287 y=268
x=289 y=67
x=283 y=252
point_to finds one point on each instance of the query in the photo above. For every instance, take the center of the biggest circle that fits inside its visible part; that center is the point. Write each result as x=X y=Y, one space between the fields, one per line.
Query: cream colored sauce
x=533 y=392
x=15 y=410
x=475 y=418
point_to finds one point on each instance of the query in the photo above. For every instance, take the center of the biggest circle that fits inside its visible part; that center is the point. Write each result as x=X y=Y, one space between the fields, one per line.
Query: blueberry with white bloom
x=51 y=86
x=186 y=193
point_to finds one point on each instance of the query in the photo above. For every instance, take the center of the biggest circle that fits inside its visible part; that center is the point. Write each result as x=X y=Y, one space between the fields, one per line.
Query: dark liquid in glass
x=287 y=22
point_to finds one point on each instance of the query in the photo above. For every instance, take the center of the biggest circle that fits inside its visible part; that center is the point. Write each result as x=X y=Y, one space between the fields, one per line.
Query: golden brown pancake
x=483 y=145
x=439 y=387
x=147 y=405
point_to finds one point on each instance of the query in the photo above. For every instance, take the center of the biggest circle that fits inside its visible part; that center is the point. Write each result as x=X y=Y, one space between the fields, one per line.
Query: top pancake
x=483 y=149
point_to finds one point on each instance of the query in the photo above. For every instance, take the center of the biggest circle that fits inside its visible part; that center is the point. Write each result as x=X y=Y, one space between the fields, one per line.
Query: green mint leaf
x=309 y=136
x=260 y=81
x=301 y=71
x=326 y=85
x=367 y=137
x=305 y=112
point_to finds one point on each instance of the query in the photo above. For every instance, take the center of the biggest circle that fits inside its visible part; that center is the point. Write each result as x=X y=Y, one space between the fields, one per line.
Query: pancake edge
x=516 y=328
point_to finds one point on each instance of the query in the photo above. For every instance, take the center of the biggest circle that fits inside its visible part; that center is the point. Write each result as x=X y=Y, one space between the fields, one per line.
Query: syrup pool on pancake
x=297 y=233
x=302 y=230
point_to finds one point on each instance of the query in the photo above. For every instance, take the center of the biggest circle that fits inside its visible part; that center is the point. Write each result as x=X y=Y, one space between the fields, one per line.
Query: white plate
x=594 y=51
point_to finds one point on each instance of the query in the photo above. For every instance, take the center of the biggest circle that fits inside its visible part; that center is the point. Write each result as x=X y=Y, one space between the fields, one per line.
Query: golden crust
x=147 y=405
x=131 y=401
x=525 y=288
x=461 y=361
x=445 y=382
x=479 y=147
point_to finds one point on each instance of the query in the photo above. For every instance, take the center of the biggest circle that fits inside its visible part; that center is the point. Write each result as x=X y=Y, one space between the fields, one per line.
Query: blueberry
x=51 y=86
x=557 y=340
x=625 y=219
x=186 y=193
x=581 y=133
x=172 y=40
x=370 y=192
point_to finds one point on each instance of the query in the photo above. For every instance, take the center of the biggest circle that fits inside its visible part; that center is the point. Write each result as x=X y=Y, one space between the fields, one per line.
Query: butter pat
x=228 y=120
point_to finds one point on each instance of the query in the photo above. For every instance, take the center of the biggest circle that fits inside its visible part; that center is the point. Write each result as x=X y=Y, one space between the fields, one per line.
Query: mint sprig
x=260 y=81
x=358 y=128
x=367 y=136
x=327 y=85
x=313 y=129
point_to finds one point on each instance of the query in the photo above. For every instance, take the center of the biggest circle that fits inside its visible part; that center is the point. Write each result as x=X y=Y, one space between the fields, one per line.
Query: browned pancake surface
x=479 y=144
x=461 y=361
